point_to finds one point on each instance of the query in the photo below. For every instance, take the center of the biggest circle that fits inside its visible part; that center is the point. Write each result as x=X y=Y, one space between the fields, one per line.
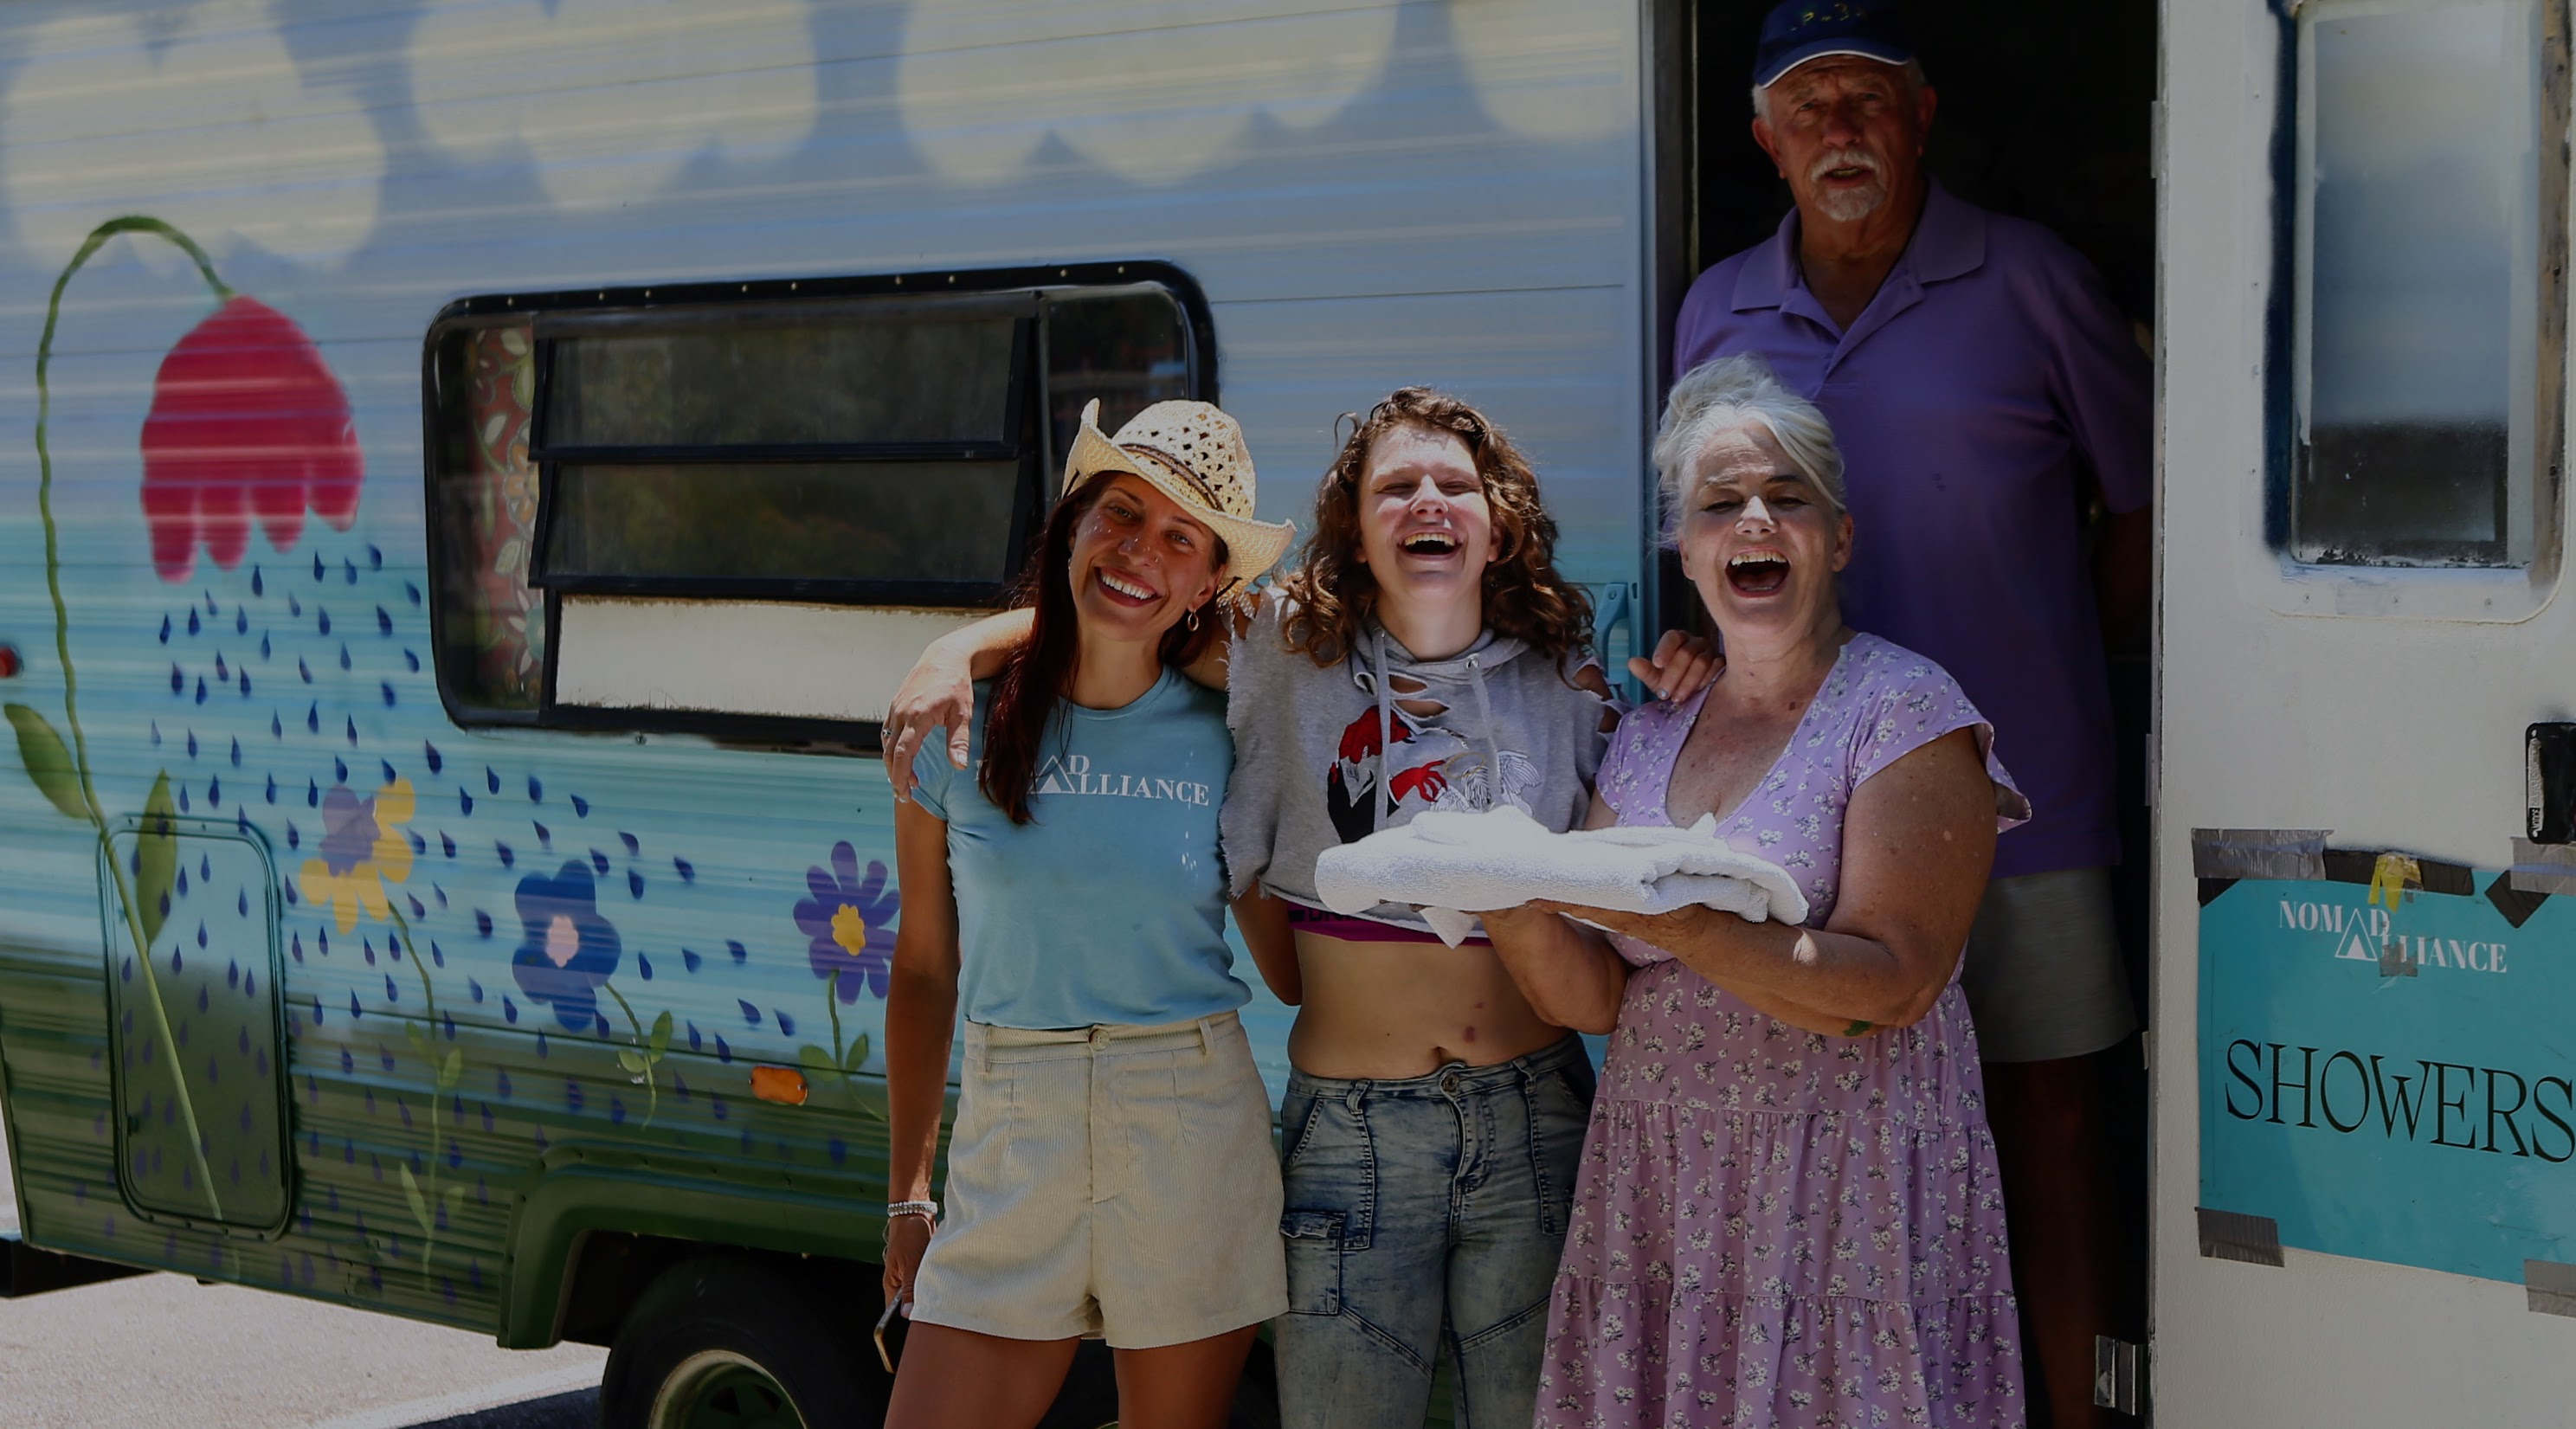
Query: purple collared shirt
x=1971 y=399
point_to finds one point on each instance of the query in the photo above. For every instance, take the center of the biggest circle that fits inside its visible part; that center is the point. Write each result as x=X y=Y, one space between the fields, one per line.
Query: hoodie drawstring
x=1493 y=746
x=1385 y=739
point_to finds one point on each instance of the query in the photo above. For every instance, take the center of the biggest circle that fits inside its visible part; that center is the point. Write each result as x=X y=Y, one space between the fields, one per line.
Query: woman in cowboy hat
x=1110 y=1173
x=1425 y=653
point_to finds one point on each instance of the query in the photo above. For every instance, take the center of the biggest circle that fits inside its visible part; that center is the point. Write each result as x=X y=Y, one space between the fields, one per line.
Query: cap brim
x=1822 y=49
x=1251 y=547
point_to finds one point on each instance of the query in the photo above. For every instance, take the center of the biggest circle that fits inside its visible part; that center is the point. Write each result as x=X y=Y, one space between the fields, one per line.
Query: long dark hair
x=1525 y=595
x=1036 y=673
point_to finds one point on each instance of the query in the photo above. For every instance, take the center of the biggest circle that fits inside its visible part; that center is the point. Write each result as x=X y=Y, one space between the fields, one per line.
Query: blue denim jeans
x=1424 y=1218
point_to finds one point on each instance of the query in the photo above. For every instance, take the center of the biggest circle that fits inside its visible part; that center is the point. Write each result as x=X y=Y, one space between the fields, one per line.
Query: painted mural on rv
x=454 y=952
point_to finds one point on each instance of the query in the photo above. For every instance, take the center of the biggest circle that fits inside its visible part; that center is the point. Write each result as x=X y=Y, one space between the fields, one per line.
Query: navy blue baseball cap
x=1802 y=30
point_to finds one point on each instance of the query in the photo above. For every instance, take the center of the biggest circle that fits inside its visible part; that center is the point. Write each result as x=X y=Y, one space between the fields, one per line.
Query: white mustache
x=1841 y=159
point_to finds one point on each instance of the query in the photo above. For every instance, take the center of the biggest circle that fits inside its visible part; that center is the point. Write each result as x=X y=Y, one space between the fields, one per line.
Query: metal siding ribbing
x=1370 y=195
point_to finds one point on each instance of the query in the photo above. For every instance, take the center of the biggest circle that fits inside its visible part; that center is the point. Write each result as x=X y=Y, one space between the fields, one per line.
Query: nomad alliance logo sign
x=2365 y=933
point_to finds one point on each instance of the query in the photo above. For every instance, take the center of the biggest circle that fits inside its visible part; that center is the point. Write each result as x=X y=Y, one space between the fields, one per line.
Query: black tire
x=747 y=1334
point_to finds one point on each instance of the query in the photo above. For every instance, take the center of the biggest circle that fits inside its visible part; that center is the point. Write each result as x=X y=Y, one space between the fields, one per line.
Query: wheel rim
x=718 y=1389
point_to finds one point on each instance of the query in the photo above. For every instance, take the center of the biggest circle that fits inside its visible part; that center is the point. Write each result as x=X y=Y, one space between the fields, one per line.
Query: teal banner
x=2392 y=1084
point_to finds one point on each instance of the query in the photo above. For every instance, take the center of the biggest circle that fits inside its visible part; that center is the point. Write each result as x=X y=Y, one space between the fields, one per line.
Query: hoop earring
x=1193 y=621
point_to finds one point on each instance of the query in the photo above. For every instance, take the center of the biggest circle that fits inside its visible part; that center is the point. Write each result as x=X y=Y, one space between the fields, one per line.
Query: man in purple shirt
x=1983 y=389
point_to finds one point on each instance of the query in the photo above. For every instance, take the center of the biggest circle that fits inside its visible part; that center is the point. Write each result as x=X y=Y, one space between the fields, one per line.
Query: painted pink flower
x=246 y=421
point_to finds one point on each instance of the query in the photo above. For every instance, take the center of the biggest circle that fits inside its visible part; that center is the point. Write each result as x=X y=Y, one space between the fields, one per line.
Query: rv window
x=884 y=442
x=491 y=625
x=2430 y=239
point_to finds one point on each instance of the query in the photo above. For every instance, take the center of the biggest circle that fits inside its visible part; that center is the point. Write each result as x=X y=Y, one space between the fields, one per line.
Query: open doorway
x=2046 y=113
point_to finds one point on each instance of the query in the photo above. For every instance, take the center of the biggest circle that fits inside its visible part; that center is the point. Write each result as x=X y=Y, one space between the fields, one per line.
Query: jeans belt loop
x=1207 y=1035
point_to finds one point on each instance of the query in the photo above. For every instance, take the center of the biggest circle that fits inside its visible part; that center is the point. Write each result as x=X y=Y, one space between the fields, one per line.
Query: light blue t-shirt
x=1110 y=905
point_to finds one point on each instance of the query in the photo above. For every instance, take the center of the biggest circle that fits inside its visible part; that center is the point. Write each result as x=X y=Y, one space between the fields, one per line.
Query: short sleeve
x=936 y=777
x=1913 y=703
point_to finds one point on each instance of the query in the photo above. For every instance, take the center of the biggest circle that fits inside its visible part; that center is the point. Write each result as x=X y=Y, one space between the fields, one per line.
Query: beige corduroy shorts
x=1117 y=1182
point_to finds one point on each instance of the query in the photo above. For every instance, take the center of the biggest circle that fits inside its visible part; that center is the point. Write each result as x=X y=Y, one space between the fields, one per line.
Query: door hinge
x=2118 y=1375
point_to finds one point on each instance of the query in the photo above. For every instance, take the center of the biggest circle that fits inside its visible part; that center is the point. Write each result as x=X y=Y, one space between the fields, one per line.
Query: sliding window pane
x=912 y=379
x=872 y=521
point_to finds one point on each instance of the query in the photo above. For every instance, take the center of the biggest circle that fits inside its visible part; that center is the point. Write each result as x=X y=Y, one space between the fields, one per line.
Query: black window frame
x=1030 y=444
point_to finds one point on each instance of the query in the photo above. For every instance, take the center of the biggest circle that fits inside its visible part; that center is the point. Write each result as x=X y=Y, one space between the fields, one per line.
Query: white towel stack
x=1451 y=865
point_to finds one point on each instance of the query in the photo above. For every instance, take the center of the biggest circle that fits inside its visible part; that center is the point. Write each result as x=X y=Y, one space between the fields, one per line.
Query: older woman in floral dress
x=1788 y=1212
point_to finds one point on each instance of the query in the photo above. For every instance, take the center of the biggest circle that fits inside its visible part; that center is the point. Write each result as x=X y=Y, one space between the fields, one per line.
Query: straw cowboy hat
x=1194 y=454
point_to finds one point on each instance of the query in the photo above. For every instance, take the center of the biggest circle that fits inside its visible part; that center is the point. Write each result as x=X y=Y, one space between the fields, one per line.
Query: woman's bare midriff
x=1407 y=1009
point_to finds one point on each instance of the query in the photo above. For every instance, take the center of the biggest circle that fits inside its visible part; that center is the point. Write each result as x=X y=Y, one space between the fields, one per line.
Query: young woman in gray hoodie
x=1425 y=653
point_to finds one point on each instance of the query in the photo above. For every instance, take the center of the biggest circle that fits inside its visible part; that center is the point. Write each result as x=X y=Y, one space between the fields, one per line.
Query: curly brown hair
x=1525 y=596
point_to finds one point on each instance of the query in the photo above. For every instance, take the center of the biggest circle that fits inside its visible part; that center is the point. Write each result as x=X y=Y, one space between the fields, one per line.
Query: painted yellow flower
x=363 y=848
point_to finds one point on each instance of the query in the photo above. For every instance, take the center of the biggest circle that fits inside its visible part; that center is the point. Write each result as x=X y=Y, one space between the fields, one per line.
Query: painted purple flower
x=851 y=923
x=567 y=949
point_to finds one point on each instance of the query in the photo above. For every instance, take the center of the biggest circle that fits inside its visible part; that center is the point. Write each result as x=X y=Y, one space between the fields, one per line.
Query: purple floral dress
x=1776 y=1228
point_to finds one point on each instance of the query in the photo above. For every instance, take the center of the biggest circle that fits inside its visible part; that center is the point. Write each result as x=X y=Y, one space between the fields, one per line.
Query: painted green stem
x=832 y=1005
x=132 y=223
x=437 y=1078
x=643 y=1049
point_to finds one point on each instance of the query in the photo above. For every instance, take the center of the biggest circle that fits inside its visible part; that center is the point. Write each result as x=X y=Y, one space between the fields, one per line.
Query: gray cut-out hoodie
x=1313 y=766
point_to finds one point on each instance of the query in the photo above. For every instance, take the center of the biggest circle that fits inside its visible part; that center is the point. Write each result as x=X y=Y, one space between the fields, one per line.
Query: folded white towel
x=1453 y=864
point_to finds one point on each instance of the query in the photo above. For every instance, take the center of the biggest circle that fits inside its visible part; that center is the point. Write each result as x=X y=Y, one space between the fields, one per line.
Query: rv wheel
x=725 y=1342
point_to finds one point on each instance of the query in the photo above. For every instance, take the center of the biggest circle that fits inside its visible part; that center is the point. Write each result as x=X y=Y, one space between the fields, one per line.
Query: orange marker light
x=784 y=1085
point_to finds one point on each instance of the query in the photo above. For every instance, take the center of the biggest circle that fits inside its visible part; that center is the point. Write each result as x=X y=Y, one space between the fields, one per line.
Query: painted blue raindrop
x=738 y=951
x=156 y=734
x=418 y=910
x=473 y=986
x=541 y=1043
x=446 y=843
x=321 y=620
x=354 y=1013
x=353 y=732
x=429 y=752
x=634 y=846
x=303 y=670
x=241 y=904
x=322 y=940
x=691 y=960
x=750 y=1014
x=258 y=583
x=464 y=803
x=491 y=780
x=312 y=794
x=688 y=871
x=411 y=661
x=392 y=994
x=634 y=884
x=192 y=744
x=723 y=1053
x=241 y=621
x=317 y=566
x=293 y=838
x=237 y=754
x=183 y=883
x=388 y=690
x=411 y=592
x=344 y=657
x=545 y=836
x=599 y=863
x=214 y=793
x=183 y=798
x=165 y=630
x=241 y=682
x=264 y=650
x=348 y=1063
x=786 y=1024
x=192 y=620
x=339 y=769
x=295 y=945
x=507 y=858
x=223 y=672
x=348 y=572
x=201 y=689
x=387 y=766
x=536 y=790
x=509 y=1013
x=276 y=728
x=294 y=606
x=178 y=681
x=693 y=1037
x=313 y=718
x=482 y=922
x=644 y=965
x=384 y=622
x=580 y=807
